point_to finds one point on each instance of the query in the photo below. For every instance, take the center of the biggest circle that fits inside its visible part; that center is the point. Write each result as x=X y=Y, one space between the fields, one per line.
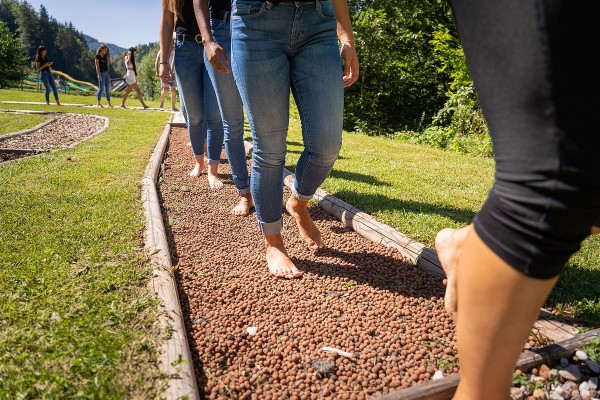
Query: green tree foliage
x=401 y=86
x=12 y=61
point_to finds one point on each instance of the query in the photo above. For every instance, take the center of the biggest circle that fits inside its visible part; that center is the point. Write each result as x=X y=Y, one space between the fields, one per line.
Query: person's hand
x=100 y=77
x=50 y=62
x=350 y=60
x=165 y=73
x=216 y=56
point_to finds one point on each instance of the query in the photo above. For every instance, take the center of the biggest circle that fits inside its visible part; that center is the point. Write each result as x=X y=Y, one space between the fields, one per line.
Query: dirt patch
x=256 y=336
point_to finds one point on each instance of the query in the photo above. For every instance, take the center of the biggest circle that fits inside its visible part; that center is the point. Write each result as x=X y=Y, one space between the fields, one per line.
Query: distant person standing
x=42 y=65
x=131 y=78
x=167 y=86
x=102 y=63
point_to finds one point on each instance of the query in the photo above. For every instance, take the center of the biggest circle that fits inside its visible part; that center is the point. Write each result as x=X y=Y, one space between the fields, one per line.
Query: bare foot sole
x=308 y=230
x=214 y=182
x=197 y=171
x=280 y=264
x=448 y=243
x=243 y=207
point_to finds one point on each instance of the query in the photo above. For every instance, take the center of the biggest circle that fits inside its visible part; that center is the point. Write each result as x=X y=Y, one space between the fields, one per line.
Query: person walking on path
x=102 y=62
x=131 y=78
x=167 y=87
x=42 y=65
x=278 y=46
x=537 y=82
x=196 y=93
x=214 y=19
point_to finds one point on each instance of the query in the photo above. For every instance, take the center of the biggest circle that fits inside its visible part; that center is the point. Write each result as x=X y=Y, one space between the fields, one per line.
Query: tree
x=12 y=60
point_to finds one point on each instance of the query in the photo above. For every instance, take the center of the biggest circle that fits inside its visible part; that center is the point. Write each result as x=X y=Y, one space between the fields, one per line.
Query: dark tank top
x=219 y=5
x=187 y=25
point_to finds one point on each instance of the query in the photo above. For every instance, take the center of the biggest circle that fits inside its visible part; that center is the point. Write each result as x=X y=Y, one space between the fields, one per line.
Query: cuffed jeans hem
x=243 y=191
x=214 y=162
x=271 y=228
x=300 y=196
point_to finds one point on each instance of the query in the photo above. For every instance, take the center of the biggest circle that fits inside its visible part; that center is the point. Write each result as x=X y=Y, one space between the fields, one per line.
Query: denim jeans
x=276 y=48
x=48 y=81
x=198 y=100
x=232 y=110
x=104 y=85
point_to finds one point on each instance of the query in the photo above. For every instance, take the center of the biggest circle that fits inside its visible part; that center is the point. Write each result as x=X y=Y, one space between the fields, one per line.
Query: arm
x=167 y=24
x=344 y=32
x=214 y=52
x=39 y=66
x=97 y=62
x=157 y=64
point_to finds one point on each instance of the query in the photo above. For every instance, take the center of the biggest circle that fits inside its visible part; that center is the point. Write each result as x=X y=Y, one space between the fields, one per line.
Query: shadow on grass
x=374 y=203
x=579 y=288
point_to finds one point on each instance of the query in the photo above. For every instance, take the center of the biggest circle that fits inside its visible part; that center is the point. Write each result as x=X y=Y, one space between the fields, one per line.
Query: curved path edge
x=174 y=358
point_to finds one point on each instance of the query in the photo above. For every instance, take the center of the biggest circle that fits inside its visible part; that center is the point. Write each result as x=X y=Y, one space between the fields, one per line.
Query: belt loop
x=317 y=5
x=268 y=5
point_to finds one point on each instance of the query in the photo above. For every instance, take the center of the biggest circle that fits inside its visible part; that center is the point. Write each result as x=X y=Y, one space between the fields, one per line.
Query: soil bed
x=354 y=296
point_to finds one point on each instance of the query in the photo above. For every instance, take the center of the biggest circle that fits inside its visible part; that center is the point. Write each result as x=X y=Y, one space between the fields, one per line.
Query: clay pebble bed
x=256 y=336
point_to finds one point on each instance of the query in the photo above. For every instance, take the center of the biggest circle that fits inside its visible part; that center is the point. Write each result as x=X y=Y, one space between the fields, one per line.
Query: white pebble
x=252 y=330
x=437 y=375
x=581 y=355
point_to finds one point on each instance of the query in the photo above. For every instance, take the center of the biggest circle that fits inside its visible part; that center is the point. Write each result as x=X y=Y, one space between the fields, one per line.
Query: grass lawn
x=76 y=317
x=17 y=122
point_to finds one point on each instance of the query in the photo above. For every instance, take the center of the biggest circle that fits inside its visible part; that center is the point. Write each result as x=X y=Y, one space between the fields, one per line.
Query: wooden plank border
x=174 y=359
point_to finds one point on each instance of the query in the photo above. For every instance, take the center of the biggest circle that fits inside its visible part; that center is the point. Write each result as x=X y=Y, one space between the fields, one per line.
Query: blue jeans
x=104 y=85
x=232 y=110
x=198 y=100
x=276 y=48
x=48 y=81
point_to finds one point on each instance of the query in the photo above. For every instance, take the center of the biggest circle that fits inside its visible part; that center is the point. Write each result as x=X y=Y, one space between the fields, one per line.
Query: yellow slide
x=74 y=80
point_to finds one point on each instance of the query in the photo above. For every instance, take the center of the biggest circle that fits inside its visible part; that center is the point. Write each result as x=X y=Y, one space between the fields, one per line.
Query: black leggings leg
x=534 y=66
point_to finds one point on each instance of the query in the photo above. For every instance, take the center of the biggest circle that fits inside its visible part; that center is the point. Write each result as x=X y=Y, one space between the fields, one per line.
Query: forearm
x=344 y=27
x=203 y=19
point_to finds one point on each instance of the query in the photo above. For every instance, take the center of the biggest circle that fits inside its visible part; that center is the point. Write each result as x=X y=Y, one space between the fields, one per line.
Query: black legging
x=534 y=66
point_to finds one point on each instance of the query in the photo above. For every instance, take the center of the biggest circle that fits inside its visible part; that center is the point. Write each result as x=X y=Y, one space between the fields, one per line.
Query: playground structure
x=65 y=82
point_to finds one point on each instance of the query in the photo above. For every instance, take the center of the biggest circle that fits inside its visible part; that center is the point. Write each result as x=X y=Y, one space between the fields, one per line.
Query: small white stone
x=571 y=373
x=252 y=330
x=437 y=375
x=517 y=394
x=582 y=355
x=593 y=383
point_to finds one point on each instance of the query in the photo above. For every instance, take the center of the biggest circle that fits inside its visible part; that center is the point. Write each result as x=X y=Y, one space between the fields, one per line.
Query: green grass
x=75 y=315
x=18 y=122
x=419 y=190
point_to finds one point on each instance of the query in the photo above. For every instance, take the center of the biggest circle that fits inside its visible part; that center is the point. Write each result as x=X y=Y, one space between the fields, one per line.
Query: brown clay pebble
x=354 y=295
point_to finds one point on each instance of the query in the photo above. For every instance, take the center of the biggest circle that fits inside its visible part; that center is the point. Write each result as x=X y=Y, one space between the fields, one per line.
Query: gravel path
x=66 y=131
x=355 y=296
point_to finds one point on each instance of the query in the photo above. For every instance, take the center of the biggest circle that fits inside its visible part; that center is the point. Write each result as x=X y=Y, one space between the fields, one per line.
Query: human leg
x=54 y=88
x=163 y=95
x=232 y=115
x=214 y=132
x=138 y=91
x=259 y=49
x=125 y=96
x=106 y=81
x=527 y=63
x=45 y=76
x=318 y=90
x=100 y=90
x=189 y=64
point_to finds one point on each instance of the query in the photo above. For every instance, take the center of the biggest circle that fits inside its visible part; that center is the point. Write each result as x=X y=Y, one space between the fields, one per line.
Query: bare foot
x=123 y=106
x=214 y=182
x=278 y=261
x=244 y=205
x=110 y=105
x=198 y=168
x=448 y=245
x=308 y=231
x=99 y=105
x=595 y=230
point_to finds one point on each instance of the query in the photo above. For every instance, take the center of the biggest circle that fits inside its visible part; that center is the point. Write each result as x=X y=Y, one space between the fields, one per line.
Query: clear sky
x=125 y=23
